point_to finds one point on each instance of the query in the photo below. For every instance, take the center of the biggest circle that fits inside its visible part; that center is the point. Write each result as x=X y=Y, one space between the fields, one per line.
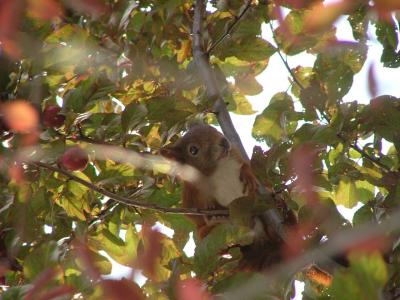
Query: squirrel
x=224 y=174
x=223 y=177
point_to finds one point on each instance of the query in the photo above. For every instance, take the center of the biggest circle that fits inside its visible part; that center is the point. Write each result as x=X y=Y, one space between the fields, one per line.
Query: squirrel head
x=201 y=147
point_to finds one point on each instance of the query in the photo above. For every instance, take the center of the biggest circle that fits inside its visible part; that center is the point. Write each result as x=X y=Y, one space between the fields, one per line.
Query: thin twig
x=129 y=201
x=230 y=27
x=294 y=77
x=367 y=156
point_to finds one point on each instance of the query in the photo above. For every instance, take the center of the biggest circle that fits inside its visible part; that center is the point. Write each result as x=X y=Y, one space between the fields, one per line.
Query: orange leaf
x=44 y=9
x=10 y=14
x=321 y=17
x=20 y=116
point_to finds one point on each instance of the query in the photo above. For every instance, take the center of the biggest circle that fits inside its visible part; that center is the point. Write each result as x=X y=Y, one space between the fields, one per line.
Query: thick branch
x=128 y=201
x=210 y=81
x=270 y=217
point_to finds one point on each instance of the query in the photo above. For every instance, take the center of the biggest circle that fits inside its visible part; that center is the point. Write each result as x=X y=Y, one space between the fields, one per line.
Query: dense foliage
x=77 y=77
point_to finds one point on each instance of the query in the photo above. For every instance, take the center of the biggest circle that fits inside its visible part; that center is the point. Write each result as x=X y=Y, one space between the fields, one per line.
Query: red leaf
x=57 y=292
x=148 y=256
x=39 y=283
x=371 y=244
x=302 y=161
x=10 y=12
x=384 y=8
x=296 y=235
x=84 y=254
x=192 y=289
x=121 y=289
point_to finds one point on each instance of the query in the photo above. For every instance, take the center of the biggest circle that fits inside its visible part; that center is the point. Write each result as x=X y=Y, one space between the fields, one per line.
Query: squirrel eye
x=193 y=150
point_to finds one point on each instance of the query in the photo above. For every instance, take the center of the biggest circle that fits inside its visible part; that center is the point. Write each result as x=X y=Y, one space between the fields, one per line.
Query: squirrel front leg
x=250 y=182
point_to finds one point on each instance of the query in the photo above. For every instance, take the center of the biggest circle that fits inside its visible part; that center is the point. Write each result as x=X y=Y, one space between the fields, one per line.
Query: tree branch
x=230 y=28
x=207 y=73
x=365 y=155
x=128 y=201
x=271 y=217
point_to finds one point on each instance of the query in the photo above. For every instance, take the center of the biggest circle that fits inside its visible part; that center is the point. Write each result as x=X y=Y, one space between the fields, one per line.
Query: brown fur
x=212 y=146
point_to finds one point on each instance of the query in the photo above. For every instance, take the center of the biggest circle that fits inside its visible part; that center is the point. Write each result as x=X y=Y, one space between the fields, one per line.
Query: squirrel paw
x=250 y=182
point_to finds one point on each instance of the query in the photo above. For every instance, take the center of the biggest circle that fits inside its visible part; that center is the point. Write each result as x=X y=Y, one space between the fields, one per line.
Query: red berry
x=74 y=159
x=52 y=117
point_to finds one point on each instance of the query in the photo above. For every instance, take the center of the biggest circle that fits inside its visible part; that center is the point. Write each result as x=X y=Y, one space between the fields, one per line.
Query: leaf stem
x=285 y=62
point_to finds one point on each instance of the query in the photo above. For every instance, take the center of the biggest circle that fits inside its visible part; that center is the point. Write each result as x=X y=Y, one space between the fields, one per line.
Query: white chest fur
x=224 y=183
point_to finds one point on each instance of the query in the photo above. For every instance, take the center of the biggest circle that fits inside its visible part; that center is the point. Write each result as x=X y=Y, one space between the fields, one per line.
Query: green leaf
x=112 y=174
x=74 y=198
x=232 y=66
x=365 y=191
x=248 y=49
x=248 y=85
x=132 y=116
x=275 y=123
x=387 y=36
x=241 y=104
x=364 y=214
x=335 y=74
x=101 y=263
x=16 y=292
x=115 y=246
x=322 y=134
x=359 y=22
x=206 y=254
x=346 y=193
x=364 y=279
x=169 y=110
x=41 y=258
x=297 y=40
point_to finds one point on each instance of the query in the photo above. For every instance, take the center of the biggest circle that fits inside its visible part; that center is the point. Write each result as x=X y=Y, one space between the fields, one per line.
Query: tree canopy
x=92 y=89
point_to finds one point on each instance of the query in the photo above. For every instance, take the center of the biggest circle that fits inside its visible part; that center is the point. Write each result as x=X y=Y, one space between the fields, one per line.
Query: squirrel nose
x=225 y=144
